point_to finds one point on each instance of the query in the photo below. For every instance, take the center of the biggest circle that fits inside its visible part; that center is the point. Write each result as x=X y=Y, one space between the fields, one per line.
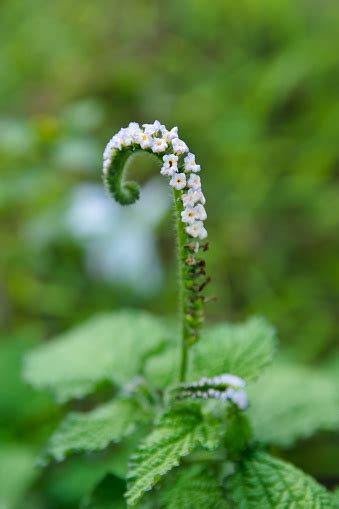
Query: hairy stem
x=191 y=267
x=181 y=236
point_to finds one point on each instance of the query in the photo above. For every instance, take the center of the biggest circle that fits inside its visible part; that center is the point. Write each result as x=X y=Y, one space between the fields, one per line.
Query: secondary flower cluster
x=178 y=163
x=224 y=387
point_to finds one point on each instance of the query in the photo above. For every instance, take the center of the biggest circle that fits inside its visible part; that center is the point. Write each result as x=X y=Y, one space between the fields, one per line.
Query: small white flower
x=152 y=128
x=106 y=165
x=170 y=165
x=197 y=230
x=189 y=215
x=167 y=171
x=179 y=146
x=228 y=379
x=134 y=130
x=159 y=145
x=202 y=198
x=144 y=140
x=189 y=159
x=190 y=164
x=194 y=182
x=201 y=212
x=178 y=181
x=169 y=135
x=117 y=141
x=191 y=198
x=170 y=159
x=126 y=138
x=195 y=168
x=109 y=149
x=240 y=399
x=133 y=127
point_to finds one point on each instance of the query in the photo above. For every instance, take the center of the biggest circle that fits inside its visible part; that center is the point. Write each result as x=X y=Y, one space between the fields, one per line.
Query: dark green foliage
x=107 y=495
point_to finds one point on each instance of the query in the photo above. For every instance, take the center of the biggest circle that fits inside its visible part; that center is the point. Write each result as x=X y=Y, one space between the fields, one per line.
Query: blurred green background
x=253 y=87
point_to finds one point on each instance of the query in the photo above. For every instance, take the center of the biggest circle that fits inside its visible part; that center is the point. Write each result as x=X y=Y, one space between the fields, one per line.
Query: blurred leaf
x=241 y=349
x=95 y=430
x=109 y=347
x=19 y=404
x=336 y=498
x=291 y=402
x=109 y=494
x=67 y=483
x=17 y=472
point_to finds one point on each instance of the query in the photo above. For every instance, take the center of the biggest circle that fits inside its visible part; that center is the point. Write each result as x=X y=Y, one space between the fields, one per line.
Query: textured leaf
x=264 y=482
x=110 y=347
x=178 y=433
x=193 y=488
x=94 y=431
x=241 y=349
x=292 y=402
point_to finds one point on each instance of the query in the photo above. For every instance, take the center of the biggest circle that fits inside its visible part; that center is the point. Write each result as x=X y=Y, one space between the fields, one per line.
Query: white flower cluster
x=177 y=163
x=225 y=387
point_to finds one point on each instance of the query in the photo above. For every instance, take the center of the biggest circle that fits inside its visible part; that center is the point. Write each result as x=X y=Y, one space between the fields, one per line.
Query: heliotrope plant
x=184 y=423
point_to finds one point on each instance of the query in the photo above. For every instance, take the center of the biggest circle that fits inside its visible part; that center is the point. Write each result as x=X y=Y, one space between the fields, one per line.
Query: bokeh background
x=253 y=87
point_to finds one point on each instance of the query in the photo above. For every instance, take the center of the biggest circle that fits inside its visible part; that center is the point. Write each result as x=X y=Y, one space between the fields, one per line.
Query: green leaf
x=241 y=349
x=237 y=433
x=269 y=483
x=19 y=402
x=17 y=472
x=291 y=402
x=178 y=433
x=94 y=431
x=161 y=369
x=66 y=486
x=108 y=494
x=336 y=498
x=193 y=488
x=108 y=348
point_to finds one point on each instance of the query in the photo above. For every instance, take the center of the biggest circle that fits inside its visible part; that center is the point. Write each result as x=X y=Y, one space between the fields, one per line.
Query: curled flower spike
x=171 y=151
x=178 y=164
x=224 y=387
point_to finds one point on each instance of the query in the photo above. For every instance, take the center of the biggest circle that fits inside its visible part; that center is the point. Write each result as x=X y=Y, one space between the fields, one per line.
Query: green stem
x=191 y=271
x=181 y=236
